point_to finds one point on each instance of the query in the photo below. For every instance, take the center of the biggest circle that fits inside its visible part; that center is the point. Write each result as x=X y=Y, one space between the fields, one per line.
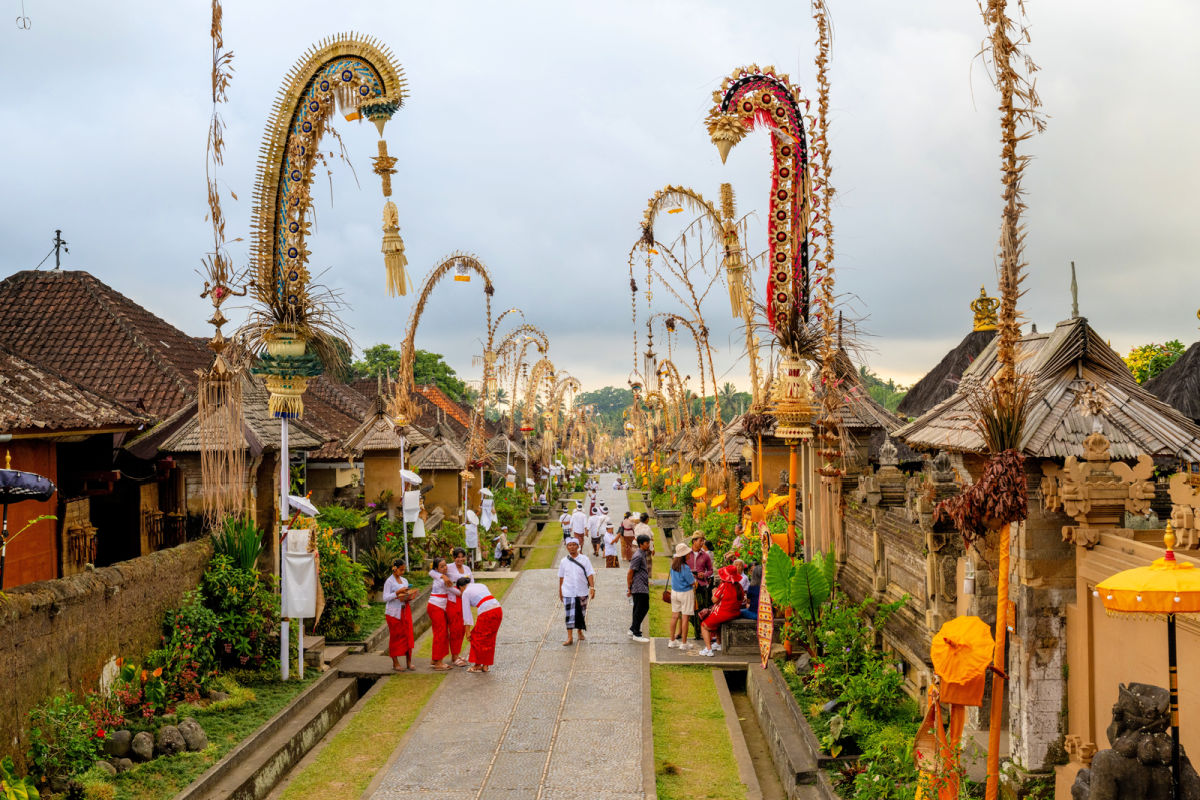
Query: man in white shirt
x=579 y=523
x=564 y=521
x=595 y=529
x=576 y=585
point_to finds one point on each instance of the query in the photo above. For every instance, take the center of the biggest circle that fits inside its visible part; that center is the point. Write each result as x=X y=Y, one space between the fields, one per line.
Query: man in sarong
x=579 y=523
x=576 y=585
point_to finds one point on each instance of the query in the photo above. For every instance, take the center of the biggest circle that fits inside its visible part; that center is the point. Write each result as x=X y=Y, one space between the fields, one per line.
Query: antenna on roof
x=59 y=244
x=1074 y=294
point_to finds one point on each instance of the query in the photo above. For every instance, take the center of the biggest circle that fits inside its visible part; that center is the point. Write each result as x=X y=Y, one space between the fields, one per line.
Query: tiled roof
x=33 y=399
x=333 y=410
x=460 y=415
x=86 y=331
x=1061 y=363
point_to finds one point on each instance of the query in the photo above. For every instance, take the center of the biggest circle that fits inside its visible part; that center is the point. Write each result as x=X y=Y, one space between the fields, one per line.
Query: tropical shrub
x=14 y=787
x=62 y=740
x=343 y=587
x=188 y=654
x=1148 y=360
x=239 y=539
x=804 y=587
x=512 y=508
x=377 y=561
x=247 y=612
x=335 y=516
x=141 y=692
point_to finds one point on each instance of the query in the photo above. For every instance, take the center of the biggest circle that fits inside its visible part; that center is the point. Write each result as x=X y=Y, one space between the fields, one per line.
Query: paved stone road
x=548 y=722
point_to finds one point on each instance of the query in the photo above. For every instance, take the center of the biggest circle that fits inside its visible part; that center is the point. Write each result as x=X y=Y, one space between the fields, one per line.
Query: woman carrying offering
x=399 y=617
x=487 y=623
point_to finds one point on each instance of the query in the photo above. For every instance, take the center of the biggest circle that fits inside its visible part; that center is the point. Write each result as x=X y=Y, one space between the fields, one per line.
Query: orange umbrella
x=749 y=490
x=718 y=501
x=699 y=492
x=774 y=502
x=961 y=652
x=1165 y=588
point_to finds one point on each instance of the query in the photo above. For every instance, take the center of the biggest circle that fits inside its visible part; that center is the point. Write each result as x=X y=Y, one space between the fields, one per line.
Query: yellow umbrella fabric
x=774 y=502
x=961 y=652
x=748 y=490
x=699 y=491
x=687 y=477
x=718 y=501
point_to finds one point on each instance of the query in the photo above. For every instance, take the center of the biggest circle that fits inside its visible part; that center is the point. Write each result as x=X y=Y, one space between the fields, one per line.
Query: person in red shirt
x=727 y=598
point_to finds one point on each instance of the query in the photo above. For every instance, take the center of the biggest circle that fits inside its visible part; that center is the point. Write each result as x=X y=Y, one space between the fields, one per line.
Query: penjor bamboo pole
x=793 y=470
x=997 y=706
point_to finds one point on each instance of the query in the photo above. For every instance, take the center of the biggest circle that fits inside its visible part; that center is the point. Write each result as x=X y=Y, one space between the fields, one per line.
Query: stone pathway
x=548 y=722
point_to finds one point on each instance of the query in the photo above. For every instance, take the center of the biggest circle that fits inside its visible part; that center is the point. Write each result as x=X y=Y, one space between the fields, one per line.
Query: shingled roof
x=941 y=381
x=35 y=399
x=439 y=455
x=1179 y=384
x=333 y=411
x=1062 y=364
x=74 y=324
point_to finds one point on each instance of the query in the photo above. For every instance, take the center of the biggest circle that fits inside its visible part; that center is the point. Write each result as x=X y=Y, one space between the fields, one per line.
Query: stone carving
x=1138 y=767
x=1096 y=491
x=889 y=456
x=943 y=467
x=1185 y=509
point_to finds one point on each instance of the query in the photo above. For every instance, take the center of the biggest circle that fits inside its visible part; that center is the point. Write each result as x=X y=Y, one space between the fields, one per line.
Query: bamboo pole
x=793 y=469
x=998 y=672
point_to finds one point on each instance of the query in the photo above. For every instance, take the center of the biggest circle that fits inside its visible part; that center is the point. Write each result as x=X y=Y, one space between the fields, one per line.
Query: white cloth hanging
x=300 y=577
x=487 y=513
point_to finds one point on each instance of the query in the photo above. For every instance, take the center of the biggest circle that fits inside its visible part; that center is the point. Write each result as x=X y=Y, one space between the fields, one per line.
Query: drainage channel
x=740 y=716
x=258 y=765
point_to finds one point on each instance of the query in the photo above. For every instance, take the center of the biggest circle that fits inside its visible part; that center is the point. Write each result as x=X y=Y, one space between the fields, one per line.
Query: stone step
x=314 y=650
x=335 y=654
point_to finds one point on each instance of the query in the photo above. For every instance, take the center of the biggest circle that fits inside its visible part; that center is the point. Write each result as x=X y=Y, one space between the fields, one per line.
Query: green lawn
x=348 y=763
x=693 y=754
x=545 y=548
x=167 y=776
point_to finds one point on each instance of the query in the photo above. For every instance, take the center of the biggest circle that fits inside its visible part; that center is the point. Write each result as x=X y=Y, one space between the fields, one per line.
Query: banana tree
x=802 y=587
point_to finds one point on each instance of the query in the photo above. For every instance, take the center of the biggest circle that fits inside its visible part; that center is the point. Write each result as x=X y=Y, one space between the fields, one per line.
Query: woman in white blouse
x=398 y=616
x=456 y=570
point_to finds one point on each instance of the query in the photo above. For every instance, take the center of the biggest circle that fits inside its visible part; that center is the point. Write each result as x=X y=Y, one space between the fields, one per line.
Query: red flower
x=99 y=733
x=345 y=552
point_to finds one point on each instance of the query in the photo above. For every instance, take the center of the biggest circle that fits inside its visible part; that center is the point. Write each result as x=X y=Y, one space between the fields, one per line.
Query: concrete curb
x=649 y=772
x=741 y=752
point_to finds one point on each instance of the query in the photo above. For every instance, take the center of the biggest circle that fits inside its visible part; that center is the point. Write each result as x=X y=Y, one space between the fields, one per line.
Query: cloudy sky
x=536 y=132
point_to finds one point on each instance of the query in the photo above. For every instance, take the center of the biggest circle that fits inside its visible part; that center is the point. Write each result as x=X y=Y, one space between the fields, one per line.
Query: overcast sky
x=537 y=131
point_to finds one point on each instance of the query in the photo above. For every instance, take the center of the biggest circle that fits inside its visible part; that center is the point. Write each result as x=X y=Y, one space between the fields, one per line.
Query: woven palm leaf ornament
x=294 y=325
x=219 y=411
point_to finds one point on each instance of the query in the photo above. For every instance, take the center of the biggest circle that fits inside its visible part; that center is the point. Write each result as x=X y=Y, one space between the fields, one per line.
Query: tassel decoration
x=394 y=260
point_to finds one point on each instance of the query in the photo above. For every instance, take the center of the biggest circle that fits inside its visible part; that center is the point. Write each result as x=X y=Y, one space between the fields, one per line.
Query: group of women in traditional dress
x=452 y=597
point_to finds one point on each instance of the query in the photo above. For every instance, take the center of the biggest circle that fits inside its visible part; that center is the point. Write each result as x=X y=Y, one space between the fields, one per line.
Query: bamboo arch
x=542 y=370
x=404 y=408
x=667 y=367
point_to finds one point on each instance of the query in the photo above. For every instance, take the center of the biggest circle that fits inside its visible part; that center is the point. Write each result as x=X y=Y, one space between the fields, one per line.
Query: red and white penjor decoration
x=766 y=616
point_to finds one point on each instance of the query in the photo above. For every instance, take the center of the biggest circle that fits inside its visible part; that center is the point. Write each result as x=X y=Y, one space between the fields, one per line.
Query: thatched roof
x=440 y=455
x=1179 y=384
x=1062 y=363
x=180 y=433
x=941 y=381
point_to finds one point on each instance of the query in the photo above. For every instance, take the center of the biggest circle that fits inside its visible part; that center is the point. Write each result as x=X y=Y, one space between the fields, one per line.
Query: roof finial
x=1074 y=294
x=985 y=311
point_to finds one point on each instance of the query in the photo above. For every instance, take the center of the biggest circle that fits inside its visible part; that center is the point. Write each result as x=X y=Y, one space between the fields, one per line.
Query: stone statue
x=1138 y=767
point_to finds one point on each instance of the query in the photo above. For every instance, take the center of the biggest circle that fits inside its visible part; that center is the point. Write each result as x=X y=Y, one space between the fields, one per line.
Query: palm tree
x=727 y=395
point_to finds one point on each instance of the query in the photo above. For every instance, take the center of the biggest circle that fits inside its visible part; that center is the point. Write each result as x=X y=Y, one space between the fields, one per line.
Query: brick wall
x=57 y=635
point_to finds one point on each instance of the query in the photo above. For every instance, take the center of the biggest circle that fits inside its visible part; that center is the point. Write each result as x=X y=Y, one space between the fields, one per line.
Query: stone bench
x=740 y=636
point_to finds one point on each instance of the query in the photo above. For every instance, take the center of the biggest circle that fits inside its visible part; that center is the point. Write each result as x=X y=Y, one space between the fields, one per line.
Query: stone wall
x=57 y=635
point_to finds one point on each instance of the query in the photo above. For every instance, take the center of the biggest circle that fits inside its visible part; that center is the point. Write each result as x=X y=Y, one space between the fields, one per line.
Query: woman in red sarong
x=454 y=610
x=399 y=617
x=487 y=624
x=727 y=605
x=444 y=615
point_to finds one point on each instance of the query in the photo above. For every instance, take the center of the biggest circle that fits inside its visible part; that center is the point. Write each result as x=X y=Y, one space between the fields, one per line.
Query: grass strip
x=545 y=548
x=166 y=776
x=693 y=754
x=344 y=768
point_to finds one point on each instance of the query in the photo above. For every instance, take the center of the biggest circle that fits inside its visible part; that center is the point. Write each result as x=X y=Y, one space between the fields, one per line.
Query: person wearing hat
x=579 y=523
x=701 y=563
x=564 y=522
x=576 y=586
x=683 y=597
x=727 y=605
x=595 y=529
x=612 y=548
x=502 y=553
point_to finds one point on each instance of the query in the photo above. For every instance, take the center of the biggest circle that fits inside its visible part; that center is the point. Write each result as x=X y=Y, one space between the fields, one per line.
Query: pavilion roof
x=1062 y=363
x=442 y=454
x=941 y=381
x=1179 y=384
